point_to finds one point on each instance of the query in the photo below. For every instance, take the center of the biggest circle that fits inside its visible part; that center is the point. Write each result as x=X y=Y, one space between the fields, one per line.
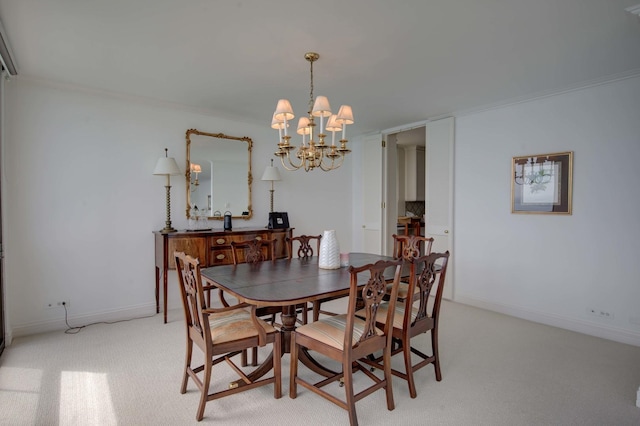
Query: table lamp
x=166 y=166
x=271 y=174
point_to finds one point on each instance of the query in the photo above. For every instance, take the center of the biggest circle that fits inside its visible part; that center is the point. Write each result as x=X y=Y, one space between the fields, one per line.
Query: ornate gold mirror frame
x=217 y=167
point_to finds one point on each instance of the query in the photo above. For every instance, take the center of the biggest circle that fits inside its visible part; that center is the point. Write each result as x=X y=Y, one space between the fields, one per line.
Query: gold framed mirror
x=218 y=175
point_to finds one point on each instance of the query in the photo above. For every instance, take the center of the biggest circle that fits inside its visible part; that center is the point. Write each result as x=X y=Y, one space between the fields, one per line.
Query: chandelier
x=533 y=172
x=312 y=154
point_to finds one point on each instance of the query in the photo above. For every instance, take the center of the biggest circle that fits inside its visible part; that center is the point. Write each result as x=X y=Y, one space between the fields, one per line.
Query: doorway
x=420 y=183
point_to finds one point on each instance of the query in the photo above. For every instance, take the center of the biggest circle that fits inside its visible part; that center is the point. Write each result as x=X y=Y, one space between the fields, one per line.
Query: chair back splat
x=349 y=339
x=305 y=250
x=408 y=247
x=221 y=334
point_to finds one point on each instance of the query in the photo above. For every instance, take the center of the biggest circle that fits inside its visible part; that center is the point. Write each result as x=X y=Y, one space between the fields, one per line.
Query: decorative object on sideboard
x=167 y=166
x=329 y=257
x=227 y=221
x=312 y=154
x=278 y=220
x=271 y=174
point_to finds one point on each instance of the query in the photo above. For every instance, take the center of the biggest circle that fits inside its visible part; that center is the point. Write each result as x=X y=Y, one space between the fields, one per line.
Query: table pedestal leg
x=288 y=318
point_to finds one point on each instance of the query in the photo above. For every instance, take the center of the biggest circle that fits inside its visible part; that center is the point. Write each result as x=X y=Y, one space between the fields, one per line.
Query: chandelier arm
x=300 y=164
x=333 y=164
x=285 y=165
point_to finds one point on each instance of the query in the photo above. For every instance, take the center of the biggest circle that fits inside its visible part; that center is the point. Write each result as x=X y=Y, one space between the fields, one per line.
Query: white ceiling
x=396 y=62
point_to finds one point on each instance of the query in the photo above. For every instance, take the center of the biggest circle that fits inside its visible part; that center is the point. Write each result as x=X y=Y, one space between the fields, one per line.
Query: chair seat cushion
x=403 y=290
x=331 y=330
x=234 y=325
x=398 y=317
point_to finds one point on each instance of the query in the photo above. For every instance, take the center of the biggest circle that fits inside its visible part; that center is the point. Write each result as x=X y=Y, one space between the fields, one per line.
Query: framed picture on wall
x=542 y=183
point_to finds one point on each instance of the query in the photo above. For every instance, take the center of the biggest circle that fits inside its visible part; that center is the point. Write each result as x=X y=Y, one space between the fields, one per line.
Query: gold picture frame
x=542 y=183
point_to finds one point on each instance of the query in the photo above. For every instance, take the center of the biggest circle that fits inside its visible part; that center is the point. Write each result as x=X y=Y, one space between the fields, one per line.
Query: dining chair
x=347 y=339
x=305 y=251
x=409 y=247
x=254 y=251
x=417 y=315
x=221 y=334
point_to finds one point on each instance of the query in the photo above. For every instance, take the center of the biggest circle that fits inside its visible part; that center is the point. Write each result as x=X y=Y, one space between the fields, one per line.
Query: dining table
x=286 y=283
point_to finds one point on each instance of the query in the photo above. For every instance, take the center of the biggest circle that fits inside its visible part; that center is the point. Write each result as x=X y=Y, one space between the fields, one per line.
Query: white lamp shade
x=303 y=126
x=321 y=107
x=345 y=115
x=277 y=124
x=271 y=173
x=166 y=166
x=333 y=125
x=284 y=110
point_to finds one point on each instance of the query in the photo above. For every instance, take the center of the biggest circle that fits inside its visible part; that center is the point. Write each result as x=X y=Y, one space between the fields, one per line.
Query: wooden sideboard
x=212 y=248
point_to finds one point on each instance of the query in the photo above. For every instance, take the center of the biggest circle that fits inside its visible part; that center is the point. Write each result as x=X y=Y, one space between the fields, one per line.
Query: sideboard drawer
x=220 y=256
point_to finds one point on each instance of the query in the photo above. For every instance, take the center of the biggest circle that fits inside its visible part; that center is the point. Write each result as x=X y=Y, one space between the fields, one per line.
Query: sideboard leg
x=164 y=295
x=157 y=290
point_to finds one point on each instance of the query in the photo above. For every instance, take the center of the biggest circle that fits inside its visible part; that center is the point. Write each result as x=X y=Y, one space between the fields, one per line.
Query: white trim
x=584 y=327
x=57 y=324
x=141 y=100
x=549 y=93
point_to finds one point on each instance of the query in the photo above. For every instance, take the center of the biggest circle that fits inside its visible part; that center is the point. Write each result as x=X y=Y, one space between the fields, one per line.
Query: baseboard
x=584 y=327
x=127 y=313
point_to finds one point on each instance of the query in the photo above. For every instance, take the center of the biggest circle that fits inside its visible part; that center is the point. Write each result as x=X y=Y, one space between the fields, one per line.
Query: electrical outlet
x=600 y=313
x=58 y=304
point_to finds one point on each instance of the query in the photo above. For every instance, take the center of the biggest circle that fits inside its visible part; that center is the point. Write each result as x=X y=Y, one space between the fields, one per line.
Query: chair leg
x=408 y=368
x=316 y=310
x=277 y=366
x=243 y=358
x=254 y=357
x=434 y=346
x=388 y=378
x=187 y=365
x=293 y=370
x=350 y=397
x=206 y=381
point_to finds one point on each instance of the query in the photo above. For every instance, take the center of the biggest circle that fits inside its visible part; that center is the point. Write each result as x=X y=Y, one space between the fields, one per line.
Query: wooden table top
x=285 y=282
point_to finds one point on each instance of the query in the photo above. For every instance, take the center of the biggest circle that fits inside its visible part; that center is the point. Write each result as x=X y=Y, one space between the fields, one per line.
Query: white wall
x=81 y=204
x=545 y=267
x=81 y=201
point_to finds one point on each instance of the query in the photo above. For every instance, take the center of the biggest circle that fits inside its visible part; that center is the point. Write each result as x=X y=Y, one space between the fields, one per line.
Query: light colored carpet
x=497 y=370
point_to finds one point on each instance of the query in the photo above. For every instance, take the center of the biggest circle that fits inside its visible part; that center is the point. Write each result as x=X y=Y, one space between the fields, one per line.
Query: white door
x=372 y=193
x=439 y=190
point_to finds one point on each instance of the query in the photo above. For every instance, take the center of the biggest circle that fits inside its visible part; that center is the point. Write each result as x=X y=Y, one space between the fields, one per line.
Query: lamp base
x=168 y=230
